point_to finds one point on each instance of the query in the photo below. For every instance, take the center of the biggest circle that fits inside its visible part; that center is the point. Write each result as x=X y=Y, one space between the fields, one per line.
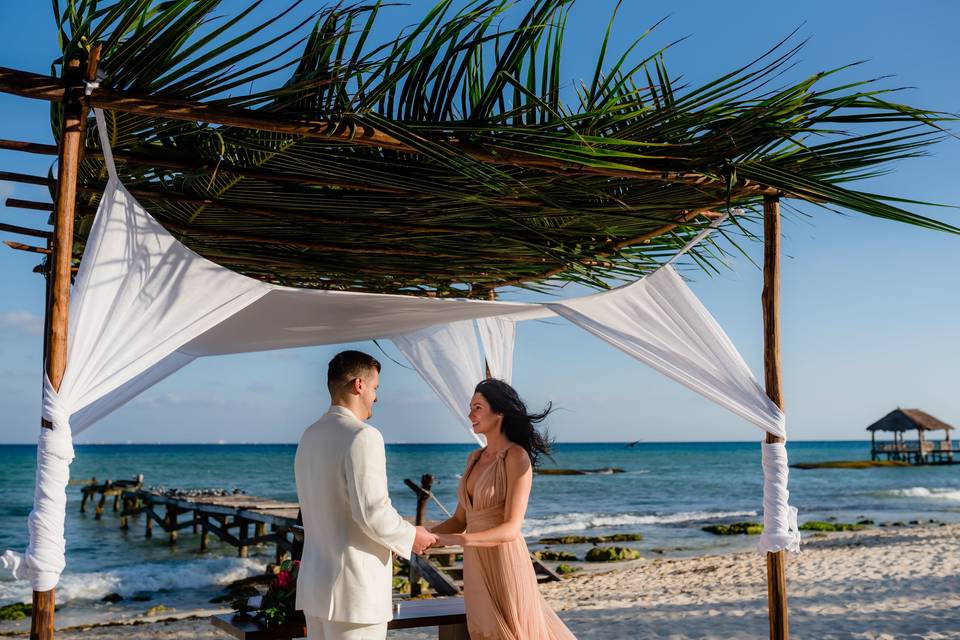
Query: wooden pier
x=242 y=521
x=238 y=520
x=110 y=488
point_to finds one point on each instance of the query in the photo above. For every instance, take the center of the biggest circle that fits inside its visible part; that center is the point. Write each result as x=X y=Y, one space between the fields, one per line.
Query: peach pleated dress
x=499 y=584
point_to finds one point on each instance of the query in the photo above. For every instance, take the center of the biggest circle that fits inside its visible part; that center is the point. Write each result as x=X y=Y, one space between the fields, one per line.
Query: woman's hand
x=449 y=540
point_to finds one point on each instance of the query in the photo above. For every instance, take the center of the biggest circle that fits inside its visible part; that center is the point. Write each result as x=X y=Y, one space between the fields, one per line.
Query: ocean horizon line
x=244 y=443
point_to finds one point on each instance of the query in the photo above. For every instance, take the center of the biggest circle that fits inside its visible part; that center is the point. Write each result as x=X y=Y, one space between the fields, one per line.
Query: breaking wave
x=572 y=522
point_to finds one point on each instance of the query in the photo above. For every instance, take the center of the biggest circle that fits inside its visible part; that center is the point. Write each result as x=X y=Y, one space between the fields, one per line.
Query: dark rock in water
x=553 y=556
x=158 y=609
x=816 y=525
x=111 y=597
x=914 y=522
x=866 y=522
x=566 y=569
x=565 y=540
x=849 y=464
x=580 y=472
x=735 y=529
x=16 y=611
x=141 y=596
x=611 y=554
x=617 y=537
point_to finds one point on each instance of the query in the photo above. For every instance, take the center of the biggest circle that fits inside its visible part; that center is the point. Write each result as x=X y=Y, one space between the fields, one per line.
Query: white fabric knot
x=780 y=530
x=44 y=560
x=90 y=85
x=57 y=441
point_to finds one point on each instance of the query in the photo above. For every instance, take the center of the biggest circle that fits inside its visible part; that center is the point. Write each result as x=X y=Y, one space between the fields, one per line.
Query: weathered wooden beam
x=29 y=147
x=776 y=562
x=25 y=231
x=31 y=85
x=24 y=178
x=438 y=580
x=33 y=205
x=181 y=163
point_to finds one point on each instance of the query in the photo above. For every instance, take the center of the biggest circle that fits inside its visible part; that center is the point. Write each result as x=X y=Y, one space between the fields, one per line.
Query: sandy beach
x=880 y=584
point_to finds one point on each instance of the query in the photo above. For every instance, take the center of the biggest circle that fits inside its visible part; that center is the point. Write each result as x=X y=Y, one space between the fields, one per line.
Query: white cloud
x=21 y=322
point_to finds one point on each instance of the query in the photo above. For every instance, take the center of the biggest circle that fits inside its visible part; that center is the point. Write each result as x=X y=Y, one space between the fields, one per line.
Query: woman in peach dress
x=499 y=584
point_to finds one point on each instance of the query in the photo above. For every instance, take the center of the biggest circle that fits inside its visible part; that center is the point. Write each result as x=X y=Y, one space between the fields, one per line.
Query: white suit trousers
x=320 y=629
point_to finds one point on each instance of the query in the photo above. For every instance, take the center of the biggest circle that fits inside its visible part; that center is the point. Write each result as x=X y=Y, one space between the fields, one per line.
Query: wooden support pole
x=243 y=536
x=73 y=117
x=204 y=536
x=171 y=523
x=776 y=562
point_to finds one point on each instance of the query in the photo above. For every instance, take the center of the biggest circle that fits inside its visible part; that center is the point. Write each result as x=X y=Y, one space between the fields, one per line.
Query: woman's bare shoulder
x=518 y=458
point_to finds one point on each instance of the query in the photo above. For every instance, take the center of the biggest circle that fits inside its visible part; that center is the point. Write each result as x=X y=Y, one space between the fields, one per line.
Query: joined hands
x=423 y=540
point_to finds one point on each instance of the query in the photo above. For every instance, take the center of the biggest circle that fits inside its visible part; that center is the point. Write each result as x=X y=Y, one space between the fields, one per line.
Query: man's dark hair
x=347 y=366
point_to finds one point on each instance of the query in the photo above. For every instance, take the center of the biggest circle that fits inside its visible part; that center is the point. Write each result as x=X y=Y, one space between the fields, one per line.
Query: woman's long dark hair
x=518 y=424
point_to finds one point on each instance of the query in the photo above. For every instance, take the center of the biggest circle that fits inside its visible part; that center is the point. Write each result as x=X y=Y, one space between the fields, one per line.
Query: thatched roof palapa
x=909 y=420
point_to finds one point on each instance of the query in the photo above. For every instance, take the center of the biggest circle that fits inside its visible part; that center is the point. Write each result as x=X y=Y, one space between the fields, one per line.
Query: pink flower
x=284 y=580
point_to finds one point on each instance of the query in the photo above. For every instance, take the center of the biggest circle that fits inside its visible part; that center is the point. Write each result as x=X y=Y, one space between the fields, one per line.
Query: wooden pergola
x=427 y=197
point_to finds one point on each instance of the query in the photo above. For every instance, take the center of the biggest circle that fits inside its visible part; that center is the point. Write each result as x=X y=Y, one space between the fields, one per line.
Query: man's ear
x=356 y=386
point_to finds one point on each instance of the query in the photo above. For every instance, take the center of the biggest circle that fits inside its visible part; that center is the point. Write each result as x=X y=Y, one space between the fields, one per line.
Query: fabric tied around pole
x=780 y=530
x=44 y=559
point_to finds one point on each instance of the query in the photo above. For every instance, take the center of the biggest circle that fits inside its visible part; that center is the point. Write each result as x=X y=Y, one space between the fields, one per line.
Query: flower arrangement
x=279 y=603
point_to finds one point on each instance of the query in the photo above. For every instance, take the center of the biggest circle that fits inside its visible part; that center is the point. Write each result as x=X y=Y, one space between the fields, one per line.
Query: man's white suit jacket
x=350 y=525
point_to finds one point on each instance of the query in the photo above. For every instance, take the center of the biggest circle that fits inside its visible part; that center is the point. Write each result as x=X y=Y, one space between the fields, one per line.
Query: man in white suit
x=350 y=526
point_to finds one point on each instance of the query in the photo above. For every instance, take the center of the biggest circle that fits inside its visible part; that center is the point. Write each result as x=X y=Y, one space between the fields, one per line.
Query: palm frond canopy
x=451 y=161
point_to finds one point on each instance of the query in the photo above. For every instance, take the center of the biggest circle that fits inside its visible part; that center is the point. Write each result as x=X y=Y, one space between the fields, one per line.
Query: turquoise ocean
x=668 y=492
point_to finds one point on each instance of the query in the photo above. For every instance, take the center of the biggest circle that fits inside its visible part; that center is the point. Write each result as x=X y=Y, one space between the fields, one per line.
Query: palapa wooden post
x=72 y=129
x=776 y=562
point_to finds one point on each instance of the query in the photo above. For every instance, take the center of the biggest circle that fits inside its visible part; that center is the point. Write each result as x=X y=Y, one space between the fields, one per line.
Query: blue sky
x=870 y=308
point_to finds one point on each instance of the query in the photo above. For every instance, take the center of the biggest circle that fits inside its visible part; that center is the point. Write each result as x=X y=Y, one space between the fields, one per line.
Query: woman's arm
x=519 y=483
x=458 y=521
x=454 y=524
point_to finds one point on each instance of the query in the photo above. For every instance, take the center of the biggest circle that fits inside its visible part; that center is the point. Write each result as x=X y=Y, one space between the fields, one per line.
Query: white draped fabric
x=659 y=321
x=448 y=358
x=144 y=306
x=498 y=336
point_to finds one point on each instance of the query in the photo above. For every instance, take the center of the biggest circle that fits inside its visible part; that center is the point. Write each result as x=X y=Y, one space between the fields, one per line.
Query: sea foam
x=148 y=577
x=942 y=493
x=571 y=522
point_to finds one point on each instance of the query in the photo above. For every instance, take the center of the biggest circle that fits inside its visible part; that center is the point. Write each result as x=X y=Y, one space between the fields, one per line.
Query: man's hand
x=423 y=540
